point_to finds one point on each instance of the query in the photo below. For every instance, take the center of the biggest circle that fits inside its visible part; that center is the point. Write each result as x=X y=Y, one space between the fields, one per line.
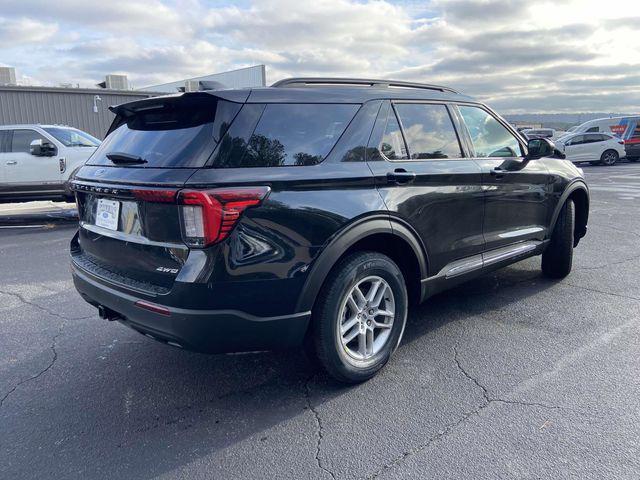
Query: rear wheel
x=359 y=317
x=609 y=157
x=557 y=259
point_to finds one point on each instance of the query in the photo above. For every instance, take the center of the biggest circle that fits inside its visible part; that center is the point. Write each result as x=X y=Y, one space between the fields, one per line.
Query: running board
x=482 y=260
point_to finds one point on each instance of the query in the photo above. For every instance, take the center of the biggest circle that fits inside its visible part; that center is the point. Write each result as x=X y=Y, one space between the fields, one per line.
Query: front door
x=517 y=191
x=424 y=178
x=576 y=149
x=25 y=172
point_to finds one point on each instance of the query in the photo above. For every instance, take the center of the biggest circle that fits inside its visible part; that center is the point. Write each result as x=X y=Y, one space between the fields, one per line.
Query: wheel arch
x=579 y=193
x=380 y=233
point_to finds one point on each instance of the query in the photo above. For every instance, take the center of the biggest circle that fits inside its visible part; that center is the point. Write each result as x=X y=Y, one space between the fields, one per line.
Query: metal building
x=241 y=78
x=86 y=109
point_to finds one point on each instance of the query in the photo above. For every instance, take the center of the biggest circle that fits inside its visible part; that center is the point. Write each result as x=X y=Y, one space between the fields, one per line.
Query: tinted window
x=4 y=147
x=392 y=144
x=70 y=137
x=179 y=132
x=577 y=140
x=593 y=129
x=286 y=134
x=592 y=138
x=22 y=140
x=490 y=138
x=428 y=131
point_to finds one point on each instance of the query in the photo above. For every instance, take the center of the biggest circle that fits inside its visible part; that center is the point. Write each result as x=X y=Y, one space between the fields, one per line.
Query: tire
x=353 y=362
x=557 y=258
x=609 y=157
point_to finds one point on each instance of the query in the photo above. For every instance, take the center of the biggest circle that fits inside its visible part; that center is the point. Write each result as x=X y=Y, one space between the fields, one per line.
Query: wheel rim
x=366 y=318
x=609 y=158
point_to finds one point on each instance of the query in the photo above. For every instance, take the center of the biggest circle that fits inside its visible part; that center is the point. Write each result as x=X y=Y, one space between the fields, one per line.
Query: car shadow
x=138 y=409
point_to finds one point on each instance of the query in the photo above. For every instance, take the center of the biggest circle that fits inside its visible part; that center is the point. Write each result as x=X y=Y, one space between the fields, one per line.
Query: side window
x=297 y=134
x=593 y=129
x=429 y=131
x=591 y=138
x=4 y=136
x=22 y=140
x=490 y=138
x=392 y=144
x=577 y=140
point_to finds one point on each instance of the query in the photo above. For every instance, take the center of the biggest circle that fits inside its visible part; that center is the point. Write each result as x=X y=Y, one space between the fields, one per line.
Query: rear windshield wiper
x=119 y=157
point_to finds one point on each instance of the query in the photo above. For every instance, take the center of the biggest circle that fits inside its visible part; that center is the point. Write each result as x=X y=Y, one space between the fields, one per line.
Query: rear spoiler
x=129 y=109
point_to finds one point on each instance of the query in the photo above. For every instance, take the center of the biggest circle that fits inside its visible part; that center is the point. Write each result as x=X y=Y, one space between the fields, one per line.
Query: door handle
x=400 y=176
x=13 y=162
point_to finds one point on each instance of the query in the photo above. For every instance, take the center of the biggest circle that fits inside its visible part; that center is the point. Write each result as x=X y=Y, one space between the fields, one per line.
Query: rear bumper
x=209 y=331
x=632 y=149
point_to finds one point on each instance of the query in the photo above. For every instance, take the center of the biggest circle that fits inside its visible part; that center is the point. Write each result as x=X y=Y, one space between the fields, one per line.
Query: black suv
x=311 y=212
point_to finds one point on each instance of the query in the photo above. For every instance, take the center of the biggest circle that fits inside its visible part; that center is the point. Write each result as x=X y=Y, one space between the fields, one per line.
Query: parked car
x=311 y=212
x=37 y=161
x=540 y=133
x=626 y=128
x=595 y=148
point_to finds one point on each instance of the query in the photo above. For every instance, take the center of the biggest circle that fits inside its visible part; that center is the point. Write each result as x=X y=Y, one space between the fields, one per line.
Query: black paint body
x=256 y=289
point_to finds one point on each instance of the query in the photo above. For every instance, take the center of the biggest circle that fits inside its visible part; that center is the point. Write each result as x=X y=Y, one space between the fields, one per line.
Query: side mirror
x=542 y=147
x=42 y=148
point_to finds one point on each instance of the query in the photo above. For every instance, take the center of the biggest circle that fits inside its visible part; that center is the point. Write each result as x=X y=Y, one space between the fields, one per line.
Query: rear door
x=424 y=177
x=130 y=230
x=516 y=190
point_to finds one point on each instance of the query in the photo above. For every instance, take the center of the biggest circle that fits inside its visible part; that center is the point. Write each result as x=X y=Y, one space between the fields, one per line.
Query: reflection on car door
x=516 y=190
x=423 y=176
x=574 y=149
x=25 y=172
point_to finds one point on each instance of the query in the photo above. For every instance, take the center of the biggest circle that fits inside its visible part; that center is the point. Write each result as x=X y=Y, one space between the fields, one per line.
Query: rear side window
x=286 y=135
x=175 y=133
x=489 y=137
x=22 y=140
x=429 y=131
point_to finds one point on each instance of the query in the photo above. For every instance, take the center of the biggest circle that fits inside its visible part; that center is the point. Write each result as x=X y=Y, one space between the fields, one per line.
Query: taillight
x=155 y=195
x=621 y=142
x=208 y=216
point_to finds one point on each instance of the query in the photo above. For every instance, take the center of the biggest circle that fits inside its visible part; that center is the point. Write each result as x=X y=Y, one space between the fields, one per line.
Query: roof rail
x=304 y=82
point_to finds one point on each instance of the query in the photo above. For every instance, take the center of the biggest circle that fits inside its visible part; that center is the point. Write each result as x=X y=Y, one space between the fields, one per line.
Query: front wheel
x=359 y=317
x=609 y=157
x=557 y=259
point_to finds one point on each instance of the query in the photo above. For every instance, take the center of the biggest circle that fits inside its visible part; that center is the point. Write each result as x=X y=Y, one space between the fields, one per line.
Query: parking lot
x=508 y=376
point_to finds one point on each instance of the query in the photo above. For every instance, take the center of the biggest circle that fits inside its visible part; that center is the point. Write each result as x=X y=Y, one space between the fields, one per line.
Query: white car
x=37 y=161
x=596 y=148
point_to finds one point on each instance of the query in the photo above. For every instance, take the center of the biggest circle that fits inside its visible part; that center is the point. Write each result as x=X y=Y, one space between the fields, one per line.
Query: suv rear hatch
x=131 y=229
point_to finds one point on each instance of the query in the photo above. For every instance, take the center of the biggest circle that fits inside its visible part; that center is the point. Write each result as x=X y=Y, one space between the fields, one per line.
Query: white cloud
x=558 y=54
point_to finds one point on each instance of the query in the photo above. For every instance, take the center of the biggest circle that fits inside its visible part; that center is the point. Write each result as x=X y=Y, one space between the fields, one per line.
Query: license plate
x=107 y=214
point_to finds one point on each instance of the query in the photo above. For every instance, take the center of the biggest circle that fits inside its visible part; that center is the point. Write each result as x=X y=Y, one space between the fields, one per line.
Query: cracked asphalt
x=508 y=376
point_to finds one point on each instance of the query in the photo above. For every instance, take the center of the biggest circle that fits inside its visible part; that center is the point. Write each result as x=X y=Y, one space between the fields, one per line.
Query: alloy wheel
x=366 y=318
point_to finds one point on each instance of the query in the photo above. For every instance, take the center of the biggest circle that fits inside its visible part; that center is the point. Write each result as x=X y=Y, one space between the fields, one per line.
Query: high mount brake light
x=208 y=216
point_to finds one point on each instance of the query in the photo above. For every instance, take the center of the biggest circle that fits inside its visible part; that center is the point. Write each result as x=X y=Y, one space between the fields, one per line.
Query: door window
x=593 y=129
x=577 y=140
x=429 y=131
x=22 y=140
x=592 y=138
x=490 y=138
x=392 y=145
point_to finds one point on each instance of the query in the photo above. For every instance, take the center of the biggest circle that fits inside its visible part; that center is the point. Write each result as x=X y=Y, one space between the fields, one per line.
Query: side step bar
x=461 y=270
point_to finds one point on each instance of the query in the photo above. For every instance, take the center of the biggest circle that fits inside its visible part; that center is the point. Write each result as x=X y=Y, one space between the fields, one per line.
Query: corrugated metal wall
x=73 y=107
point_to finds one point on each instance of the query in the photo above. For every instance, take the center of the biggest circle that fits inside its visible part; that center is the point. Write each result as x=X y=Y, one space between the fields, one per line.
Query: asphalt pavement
x=508 y=376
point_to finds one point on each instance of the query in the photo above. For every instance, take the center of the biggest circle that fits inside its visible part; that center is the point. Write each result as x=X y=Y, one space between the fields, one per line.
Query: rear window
x=176 y=133
x=276 y=135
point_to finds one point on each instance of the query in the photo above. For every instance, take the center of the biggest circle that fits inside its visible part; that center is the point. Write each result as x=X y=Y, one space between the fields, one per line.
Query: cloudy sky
x=520 y=56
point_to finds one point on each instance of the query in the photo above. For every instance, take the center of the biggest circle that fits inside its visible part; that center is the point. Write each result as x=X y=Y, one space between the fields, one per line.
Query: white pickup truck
x=37 y=161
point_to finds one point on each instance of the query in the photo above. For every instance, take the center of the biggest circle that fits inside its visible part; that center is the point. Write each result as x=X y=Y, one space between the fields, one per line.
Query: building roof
x=72 y=90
